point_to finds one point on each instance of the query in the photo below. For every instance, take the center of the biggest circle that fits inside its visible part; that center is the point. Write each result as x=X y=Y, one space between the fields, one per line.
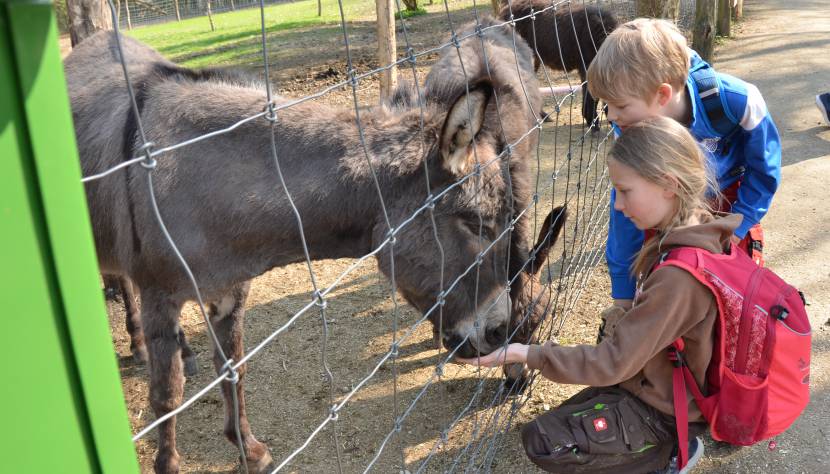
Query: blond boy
x=644 y=69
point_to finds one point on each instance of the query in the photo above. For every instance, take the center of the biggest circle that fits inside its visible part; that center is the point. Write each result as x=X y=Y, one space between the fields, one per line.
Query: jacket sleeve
x=760 y=145
x=624 y=241
x=671 y=304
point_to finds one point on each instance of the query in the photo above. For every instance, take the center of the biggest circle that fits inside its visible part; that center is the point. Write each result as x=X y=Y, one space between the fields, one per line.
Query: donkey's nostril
x=496 y=336
x=451 y=341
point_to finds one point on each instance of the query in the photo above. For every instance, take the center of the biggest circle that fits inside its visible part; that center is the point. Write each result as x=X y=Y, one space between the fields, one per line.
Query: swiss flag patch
x=600 y=424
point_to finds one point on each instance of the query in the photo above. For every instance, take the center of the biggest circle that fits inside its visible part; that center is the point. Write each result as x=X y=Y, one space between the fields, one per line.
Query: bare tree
x=86 y=17
x=659 y=8
x=724 y=17
x=703 y=37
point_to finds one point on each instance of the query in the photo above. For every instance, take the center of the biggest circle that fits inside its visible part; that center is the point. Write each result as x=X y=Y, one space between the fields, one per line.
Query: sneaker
x=823 y=104
x=695 y=453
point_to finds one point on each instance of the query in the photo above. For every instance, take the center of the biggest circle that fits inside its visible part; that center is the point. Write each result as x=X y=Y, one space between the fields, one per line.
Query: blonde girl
x=624 y=421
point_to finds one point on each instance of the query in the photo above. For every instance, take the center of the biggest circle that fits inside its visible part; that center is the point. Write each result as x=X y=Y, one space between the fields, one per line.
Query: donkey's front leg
x=160 y=316
x=227 y=320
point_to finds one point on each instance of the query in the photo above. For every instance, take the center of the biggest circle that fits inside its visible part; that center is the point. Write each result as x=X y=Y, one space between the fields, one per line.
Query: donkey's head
x=481 y=106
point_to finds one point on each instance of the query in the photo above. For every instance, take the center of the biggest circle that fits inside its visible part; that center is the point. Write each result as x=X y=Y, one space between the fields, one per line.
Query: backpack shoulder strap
x=683 y=257
x=714 y=103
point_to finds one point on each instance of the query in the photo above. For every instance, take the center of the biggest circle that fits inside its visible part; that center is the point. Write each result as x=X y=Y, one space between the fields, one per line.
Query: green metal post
x=61 y=404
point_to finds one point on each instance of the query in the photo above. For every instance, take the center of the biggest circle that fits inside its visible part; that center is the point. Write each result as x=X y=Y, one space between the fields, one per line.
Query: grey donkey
x=223 y=204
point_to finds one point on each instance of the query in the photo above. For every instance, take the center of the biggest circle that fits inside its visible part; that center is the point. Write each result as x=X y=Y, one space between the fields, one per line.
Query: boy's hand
x=612 y=314
x=515 y=353
x=617 y=309
x=625 y=304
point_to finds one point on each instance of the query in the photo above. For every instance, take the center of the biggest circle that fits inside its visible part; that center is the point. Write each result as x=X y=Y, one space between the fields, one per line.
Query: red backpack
x=758 y=378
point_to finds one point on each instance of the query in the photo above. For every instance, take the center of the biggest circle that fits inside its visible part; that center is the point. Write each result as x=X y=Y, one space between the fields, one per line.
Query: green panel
x=62 y=405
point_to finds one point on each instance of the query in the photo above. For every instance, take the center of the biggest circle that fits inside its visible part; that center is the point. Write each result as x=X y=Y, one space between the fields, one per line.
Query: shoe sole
x=823 y=110
x=694 y=459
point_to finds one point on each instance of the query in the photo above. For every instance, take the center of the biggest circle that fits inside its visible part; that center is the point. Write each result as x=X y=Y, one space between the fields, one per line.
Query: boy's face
x=631 y=110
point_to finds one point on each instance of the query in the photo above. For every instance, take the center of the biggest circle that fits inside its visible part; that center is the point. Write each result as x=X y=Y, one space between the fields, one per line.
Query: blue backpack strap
x=714 y=104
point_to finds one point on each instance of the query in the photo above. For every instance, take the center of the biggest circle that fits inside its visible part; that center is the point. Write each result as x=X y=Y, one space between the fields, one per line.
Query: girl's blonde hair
x=636 y=58
x=664 y=152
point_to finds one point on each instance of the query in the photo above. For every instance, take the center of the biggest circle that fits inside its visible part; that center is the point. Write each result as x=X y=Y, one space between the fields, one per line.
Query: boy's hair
x=663 y=152
x=636 y=58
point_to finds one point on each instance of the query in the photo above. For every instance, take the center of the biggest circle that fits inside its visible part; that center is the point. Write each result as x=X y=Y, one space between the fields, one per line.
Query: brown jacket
x=670 y=304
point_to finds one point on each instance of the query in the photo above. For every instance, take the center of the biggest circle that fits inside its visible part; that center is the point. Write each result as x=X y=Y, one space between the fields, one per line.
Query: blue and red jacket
x=752 y=154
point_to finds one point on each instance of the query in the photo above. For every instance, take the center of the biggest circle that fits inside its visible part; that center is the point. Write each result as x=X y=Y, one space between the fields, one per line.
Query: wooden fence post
x=210 y=17
x=703 y=36
x=127 y=9
x=725 y=17
x=496 y=6
x=387 y=46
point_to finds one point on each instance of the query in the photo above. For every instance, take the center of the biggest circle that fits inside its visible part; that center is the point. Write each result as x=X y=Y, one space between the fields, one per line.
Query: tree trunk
x=659 y=8
x=725 y=17
x=496 y=6
x=233 y=7
x=319 y=7
x=86 y=17
x=739 y=9
x=411 y=5
x=386 y=46
x=703 y=37
x=178 y=15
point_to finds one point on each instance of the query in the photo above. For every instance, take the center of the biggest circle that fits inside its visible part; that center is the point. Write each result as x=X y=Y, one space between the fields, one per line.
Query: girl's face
x=648 y=205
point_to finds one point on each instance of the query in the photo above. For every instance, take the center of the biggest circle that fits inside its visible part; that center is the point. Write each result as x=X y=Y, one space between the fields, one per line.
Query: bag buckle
x=676 y=357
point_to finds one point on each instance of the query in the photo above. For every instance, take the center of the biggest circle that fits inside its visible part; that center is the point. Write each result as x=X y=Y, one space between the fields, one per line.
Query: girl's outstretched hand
x=515 y=352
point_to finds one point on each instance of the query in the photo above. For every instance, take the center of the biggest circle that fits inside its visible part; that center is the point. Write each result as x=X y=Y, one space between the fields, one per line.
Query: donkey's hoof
x=166 y=464
x=139 y=354
x=264 y=464
x=191 y=368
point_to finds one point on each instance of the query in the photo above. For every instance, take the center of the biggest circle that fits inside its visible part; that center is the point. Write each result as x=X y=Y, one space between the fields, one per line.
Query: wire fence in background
x=134 y=13
x=448 y=417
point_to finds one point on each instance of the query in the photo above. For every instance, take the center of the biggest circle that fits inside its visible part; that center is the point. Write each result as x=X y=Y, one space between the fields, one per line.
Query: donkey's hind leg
x=160 y=317
x=137 y=344
x=133 y=317
x=227 y=317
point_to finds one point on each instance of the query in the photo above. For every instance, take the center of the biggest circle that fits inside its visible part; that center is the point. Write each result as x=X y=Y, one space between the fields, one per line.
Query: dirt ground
x=287 y=394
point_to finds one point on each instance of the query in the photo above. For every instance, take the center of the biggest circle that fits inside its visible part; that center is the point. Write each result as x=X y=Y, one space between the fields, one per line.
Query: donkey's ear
x=548 y=235
x=464 y=121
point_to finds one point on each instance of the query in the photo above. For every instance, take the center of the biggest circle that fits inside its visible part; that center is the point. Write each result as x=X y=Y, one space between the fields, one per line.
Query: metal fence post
x=61 y=404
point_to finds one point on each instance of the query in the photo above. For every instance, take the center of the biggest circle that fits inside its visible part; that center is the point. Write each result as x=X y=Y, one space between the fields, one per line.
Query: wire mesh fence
x=342 y=373
x=133 y=13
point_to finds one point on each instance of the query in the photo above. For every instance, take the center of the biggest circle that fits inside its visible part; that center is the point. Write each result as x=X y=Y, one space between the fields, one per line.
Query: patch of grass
x=192 y=43
x=410 y=13
x=237 y=39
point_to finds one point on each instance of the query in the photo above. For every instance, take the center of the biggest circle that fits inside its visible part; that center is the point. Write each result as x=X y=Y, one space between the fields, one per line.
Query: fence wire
x=462 y=416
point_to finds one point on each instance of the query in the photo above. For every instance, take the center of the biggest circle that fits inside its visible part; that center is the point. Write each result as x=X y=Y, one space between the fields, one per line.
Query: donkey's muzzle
x=462 y=347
